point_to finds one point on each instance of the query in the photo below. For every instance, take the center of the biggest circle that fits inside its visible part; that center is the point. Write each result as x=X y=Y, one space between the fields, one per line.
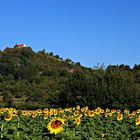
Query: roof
x=21 y=45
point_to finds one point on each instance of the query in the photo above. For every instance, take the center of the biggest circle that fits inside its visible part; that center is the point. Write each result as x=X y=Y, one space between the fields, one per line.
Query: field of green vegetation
x=69 y=124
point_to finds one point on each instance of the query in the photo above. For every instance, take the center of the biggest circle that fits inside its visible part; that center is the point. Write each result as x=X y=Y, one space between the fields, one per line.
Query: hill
x=28 y=79
x=31 y=80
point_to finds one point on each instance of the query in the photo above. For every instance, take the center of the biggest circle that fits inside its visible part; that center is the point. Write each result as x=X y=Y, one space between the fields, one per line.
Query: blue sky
x=86 y=31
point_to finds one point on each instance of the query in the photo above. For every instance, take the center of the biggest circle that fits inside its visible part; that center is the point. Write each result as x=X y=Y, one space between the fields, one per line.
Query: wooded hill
x=31 y=80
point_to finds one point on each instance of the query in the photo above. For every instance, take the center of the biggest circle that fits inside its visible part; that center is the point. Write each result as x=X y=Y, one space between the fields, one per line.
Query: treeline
x=114 y=87
x=31 y=80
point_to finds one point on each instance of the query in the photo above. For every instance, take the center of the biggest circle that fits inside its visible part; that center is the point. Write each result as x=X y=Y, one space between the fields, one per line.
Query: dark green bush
x=102 y=88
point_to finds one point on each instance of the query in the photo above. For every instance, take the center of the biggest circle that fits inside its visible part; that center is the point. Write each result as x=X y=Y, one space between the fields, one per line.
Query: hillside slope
x=28 y=79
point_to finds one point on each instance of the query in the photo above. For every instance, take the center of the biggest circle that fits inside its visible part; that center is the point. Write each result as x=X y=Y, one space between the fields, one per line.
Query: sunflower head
x=46 y=116
x=8 y=117
x=77 y=121
x=98 y=110
x=120 y=117
x=56 y=125
x=138 y=111
x=91 y=113
x=137 y=122
x=76 y=112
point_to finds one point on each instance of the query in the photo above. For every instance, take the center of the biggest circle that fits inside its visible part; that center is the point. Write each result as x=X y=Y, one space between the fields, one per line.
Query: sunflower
x=77 y=121
x=98 y=110
x=138 y=111
x=34 y=114
x=110 y=114
x=126 y=111
x=8 y=117
x=46 y=116
x=118 y=111
x=76 y=113
x=39 y=112
x=55 y=112
x=78 y=107
x=56 y=125
x=113 y=111
x=120 y=117
x=91 y=113
x=107 y=110
x=137 y=122
x=86 y=113
x=46 y=110
x=134 y=113
x=102 y=111
x=14 y=113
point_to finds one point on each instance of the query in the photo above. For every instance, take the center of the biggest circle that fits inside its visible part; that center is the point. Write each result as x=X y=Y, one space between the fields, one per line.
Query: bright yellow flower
x=76 y=112
x=66 y=109
x=10 y=110
x=137 y=122
x=134 y=113
x=113 y=111
x=34 y=114
x=46 y=110
x=6 y=109
x=106 y=115
x=107 y=110
x=77 y=121
x=102 y=134
x=73 y=108
x=62 y=111
x=24 y=113
x=98 y=110
x=102 y=111
x=55 y=112
x=70 y=109
x=110 y=114
x=29 y=113
x=126 y=111
x=81 y=115
x=86 y=113
x=82 y=109
x=118 y=111
x=91 y=113
x=51 y=111
x=138 y=111
x=39 y=111
x=64 y=116
x=120 y=117
x=78 y=107
x=86 y=108
x=45 y=116
x=56 y=125
x=8 y=117
x=130 y=116
x=14 y=113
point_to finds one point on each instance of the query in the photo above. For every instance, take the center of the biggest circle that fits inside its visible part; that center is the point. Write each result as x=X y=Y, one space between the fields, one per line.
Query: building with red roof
x=20 y=45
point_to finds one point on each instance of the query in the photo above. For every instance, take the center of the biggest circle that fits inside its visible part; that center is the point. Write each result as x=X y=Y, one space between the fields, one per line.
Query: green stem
x=2 y=130
x=18 y=126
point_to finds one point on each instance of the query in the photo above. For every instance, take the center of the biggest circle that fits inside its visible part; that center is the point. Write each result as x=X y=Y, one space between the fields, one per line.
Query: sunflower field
x=74 y=123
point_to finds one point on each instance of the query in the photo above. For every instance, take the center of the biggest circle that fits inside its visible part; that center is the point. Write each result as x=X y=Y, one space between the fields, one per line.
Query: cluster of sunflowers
x=56 y=120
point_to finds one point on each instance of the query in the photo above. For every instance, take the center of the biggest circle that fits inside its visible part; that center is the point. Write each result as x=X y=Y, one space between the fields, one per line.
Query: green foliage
x=34 y=80
x=113 y=87
x=28 y=79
